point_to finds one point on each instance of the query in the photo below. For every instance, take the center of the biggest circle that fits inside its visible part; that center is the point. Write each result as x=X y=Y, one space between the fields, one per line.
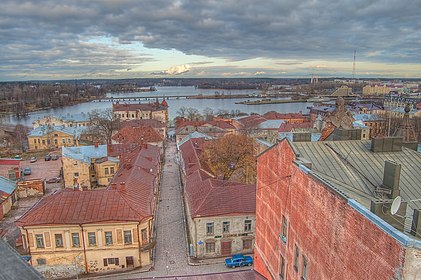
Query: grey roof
x=354 y=169
x=13 y=267
x=7 y=185
x=85 y=153
x=43 y=130
x=194 y=135
x=270 y=124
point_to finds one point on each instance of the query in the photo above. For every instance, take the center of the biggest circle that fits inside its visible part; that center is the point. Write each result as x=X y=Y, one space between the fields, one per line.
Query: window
x=63 y=140
x=282 y=269
x=209 y=228
x=284 y=229
x=144 y=234
x=43 y=142
x=39 y=240
x=106 y=171
x=111 y=170
x=91 y=238
x=55 y=142
x=41 y=261
x=75 y=240
x=247 y=225
x=304 y=270
x=59 y=240
x=225 y=227
x=108 y=238
x=210 y=247
x=76 y=174
x=35 y=141
x=132 y=115
x=108 y=261
x=296 y=255
x=127 y=237
x=69 y=140
x=247 y=243
x=48 y=141
x=55 y=134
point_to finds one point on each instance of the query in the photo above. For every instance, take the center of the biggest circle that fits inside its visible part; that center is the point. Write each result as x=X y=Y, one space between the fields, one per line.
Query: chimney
x=122 y=187
x=96 y=144
x=113 y=186
x=391 y=177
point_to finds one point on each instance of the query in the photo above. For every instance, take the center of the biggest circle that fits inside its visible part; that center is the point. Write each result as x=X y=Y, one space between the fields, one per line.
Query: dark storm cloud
x=46 y=32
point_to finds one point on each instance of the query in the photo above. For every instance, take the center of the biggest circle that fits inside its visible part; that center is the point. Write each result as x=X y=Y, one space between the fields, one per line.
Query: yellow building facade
x=88 y=166
x=45 y=138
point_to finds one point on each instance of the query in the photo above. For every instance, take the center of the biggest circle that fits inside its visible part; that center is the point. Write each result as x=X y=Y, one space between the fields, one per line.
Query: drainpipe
x=84 y=249
x=27 y=243
x=138 y=242
x=195 y=241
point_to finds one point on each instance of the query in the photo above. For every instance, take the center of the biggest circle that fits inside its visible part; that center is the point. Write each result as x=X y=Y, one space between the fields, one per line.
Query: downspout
x=195 y=239
x=138 y=242
x=84 y=249
x=27 y=243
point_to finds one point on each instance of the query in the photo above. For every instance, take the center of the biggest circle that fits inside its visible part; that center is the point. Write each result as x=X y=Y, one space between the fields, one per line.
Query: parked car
x=238 y=260
x=53 y=180
x=33 y=159
x=54 y=156
x=27 y=171
x=47 y=158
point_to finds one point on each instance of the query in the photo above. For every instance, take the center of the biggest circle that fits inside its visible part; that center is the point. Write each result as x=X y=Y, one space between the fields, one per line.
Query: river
x=174 y=104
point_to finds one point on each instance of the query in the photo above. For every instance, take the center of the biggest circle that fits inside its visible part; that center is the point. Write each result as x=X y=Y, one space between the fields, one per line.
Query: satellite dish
x=396 y=204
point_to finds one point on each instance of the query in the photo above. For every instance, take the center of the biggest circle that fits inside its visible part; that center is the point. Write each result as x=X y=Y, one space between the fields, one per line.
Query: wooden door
x=226 y=248
x=129 y=262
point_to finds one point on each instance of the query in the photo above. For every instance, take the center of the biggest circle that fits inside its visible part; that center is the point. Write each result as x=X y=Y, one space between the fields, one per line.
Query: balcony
x=144 y=246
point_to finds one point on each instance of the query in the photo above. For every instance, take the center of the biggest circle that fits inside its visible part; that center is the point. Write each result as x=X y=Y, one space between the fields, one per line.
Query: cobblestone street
x=171 y=250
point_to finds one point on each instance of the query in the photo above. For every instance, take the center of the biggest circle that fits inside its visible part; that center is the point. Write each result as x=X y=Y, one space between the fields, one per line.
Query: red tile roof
x=272 y=115
x=208 y=196
x=251 y=121
x=220 y=124
x=139 y=134
x=9 y=161
x=149 y=122
x=288 y=127
x=212 y=197
x=130 y=197
x=190 y=152
x=116 y=150
x=80 y=207
x=138 y=107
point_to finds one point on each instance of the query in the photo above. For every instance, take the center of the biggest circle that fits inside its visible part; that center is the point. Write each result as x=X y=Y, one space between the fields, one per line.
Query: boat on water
x=318 y=99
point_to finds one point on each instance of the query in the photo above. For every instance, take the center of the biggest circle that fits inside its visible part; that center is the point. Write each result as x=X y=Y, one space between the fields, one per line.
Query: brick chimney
x=122 y=187
x=96 y=144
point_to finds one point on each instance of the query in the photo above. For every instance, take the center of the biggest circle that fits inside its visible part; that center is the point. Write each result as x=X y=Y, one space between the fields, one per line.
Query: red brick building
x=313 y=218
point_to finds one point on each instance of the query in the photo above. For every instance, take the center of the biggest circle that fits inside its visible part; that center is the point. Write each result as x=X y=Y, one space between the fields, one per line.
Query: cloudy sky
x=52 y=39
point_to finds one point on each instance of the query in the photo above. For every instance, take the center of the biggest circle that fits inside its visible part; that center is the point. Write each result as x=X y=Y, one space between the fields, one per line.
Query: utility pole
x=353 y=65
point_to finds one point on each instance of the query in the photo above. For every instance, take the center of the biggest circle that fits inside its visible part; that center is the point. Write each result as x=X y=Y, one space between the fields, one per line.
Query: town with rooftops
x=130 y=194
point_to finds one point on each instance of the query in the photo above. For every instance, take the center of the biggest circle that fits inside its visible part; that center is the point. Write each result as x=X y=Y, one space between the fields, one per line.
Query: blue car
x=27 y=171
x=238 y=260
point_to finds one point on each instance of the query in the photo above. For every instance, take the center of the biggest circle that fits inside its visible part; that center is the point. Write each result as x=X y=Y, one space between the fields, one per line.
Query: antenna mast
x=353 y=65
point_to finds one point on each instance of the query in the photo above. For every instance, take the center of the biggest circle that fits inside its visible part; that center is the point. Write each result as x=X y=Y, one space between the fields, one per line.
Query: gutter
x=84 y=249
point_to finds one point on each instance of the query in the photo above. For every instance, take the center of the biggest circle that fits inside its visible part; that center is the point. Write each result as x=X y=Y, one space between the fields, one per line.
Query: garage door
x=226 y=248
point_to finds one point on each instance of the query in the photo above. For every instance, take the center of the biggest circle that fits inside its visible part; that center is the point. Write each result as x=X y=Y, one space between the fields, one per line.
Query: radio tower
x=353 y=66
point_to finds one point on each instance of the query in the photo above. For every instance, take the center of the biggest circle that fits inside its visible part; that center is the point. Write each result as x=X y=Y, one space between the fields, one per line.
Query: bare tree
x=208 y=114
x=103 y=124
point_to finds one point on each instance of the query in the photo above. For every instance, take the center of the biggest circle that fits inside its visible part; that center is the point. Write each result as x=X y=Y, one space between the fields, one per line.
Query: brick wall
x=337 y=241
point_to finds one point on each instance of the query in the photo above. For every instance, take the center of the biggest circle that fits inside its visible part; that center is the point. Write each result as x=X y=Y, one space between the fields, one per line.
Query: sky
x=49 y=40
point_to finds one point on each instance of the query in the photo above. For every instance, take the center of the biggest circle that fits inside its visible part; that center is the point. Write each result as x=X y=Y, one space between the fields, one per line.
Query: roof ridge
x=130 y=205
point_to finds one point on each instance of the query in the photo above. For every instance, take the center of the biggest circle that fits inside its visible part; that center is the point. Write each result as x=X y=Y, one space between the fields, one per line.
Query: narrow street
x=171 y=249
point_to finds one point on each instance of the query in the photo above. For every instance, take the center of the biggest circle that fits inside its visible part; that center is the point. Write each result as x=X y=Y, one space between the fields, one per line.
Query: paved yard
x=41 y=168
